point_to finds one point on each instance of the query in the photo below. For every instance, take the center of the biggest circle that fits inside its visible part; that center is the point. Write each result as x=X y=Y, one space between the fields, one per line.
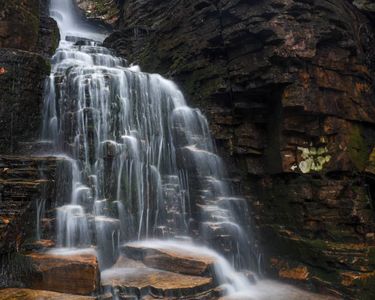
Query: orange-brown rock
x=172 y=260
x=299 y=273
x=45 y=243
x=76 y=273
x=143 y=281
x=350 y=279
x=27 y=294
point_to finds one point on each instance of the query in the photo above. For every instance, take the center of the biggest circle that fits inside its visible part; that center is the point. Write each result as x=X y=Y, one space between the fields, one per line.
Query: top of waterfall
x=71 y=23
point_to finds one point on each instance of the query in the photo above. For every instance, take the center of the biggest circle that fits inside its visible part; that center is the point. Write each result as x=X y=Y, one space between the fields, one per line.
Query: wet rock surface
x=24 y=183
x=288 y=90
x=170 y=260
x=147 y=281
x=154 y=271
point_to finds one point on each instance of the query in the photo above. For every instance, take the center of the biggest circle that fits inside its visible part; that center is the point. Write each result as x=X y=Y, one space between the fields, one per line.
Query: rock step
x=147 y=282
x=72 y=272
x=169 y=258
x=28 y=294
x=161 y=269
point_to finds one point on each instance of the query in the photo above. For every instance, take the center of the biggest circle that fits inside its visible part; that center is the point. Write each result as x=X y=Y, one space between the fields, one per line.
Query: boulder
x=76 y=273
x=147 y=281
x=170 y=259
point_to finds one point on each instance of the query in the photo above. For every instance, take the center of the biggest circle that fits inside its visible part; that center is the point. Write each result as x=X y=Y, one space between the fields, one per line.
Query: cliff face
x=288 y=89
x=28 y=38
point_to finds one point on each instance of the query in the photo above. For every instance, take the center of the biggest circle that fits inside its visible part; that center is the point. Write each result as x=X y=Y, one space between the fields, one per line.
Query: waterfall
x=142 y=163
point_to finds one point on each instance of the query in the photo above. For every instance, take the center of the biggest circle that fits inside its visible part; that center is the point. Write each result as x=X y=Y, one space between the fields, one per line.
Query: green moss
x=357 y=148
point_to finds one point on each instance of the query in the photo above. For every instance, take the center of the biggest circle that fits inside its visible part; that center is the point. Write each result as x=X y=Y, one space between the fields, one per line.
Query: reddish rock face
x=288 y=90
x=75 y=274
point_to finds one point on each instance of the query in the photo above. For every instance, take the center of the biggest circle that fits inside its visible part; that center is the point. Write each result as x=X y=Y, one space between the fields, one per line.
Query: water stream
x=142 y=163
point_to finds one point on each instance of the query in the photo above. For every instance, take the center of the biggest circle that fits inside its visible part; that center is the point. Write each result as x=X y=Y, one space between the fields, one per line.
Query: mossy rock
x=357 y=148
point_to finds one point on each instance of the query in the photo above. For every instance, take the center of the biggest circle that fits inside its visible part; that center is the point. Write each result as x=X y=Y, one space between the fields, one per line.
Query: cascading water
x=142 y=163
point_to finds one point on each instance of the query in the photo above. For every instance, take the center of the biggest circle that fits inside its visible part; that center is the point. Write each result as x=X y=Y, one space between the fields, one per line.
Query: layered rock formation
x=24 y=183
x=28 y=38
x=77 y=273
x=149 y=270
x=288 y=90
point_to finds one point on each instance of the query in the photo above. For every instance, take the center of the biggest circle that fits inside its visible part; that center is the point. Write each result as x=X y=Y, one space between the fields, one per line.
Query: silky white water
x=142 y=163
x=70 y=23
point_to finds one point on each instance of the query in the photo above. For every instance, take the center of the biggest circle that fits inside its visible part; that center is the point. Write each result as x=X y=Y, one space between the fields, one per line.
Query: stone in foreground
x=152 y=282
x=77 y=273
x=173 y=260
x=27 y=294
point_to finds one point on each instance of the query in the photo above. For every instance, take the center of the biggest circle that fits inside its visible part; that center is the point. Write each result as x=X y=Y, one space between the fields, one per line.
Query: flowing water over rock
x=142 y=161
x=142 y=166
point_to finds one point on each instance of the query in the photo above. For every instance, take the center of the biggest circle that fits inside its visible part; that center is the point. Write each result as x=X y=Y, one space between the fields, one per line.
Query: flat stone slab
x=74 y=272
x=171 y=259
x=27 y=294
x=147 y=281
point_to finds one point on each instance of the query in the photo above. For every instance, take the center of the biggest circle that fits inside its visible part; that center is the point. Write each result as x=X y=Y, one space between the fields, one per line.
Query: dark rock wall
x=25 y=182
x=28 y=38
x=288 y=88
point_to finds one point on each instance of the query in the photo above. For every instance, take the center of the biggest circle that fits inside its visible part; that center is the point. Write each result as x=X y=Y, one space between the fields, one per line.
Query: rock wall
x=28 y=38
x=288 y=88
